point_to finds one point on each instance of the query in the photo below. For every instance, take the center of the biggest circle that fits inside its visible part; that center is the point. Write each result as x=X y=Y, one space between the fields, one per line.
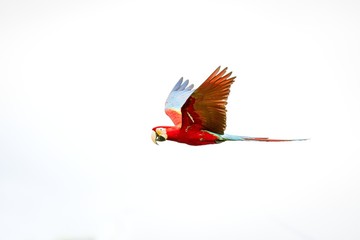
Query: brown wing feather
x=206 y=107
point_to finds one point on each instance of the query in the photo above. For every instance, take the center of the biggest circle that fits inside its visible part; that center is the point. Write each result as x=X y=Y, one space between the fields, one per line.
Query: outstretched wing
x=176 y=99
x=206 y=106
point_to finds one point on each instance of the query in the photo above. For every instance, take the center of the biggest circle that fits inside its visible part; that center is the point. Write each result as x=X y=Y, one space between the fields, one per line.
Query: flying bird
x=199 y=115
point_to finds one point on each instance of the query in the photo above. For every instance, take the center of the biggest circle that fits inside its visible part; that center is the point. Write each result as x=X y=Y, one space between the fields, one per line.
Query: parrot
x=199 y=115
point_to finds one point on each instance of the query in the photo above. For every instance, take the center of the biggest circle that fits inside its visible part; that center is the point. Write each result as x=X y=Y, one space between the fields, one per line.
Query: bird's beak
x=155 y=137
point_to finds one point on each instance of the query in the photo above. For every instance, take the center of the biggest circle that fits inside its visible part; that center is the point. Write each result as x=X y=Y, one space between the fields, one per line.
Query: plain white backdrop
x=83 y=82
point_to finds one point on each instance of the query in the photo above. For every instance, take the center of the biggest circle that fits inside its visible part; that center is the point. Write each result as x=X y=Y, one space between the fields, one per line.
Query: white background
x=83 y=82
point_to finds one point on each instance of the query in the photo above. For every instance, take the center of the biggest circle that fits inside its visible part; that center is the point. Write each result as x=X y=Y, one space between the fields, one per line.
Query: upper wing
x=176 y=99
x=206 y=106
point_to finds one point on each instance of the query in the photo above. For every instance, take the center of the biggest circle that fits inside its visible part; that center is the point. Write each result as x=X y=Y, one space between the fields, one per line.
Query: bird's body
x=199 y=115
x=192 y=135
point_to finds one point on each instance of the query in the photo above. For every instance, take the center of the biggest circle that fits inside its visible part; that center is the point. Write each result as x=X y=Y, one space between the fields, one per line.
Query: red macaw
x=200 y=115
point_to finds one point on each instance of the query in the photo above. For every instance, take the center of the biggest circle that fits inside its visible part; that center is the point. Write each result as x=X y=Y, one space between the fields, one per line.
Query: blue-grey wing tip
x=178 y=84
x=190 y=87
x=183 y=85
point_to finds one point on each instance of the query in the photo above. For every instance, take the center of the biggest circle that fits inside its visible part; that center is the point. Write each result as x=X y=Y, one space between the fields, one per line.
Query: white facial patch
x=161 y=132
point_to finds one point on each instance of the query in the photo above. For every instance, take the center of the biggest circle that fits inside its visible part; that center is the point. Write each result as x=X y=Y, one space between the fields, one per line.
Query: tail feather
x=228 y=137
x=271 y=140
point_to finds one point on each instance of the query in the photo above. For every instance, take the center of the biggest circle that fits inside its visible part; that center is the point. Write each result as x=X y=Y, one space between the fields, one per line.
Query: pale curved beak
x=153 y=137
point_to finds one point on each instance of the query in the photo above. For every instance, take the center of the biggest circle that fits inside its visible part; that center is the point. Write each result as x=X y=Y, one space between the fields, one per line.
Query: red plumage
x=200 y=115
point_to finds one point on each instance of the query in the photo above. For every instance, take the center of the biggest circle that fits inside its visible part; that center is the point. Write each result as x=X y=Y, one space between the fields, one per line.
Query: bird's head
x=159 y=134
